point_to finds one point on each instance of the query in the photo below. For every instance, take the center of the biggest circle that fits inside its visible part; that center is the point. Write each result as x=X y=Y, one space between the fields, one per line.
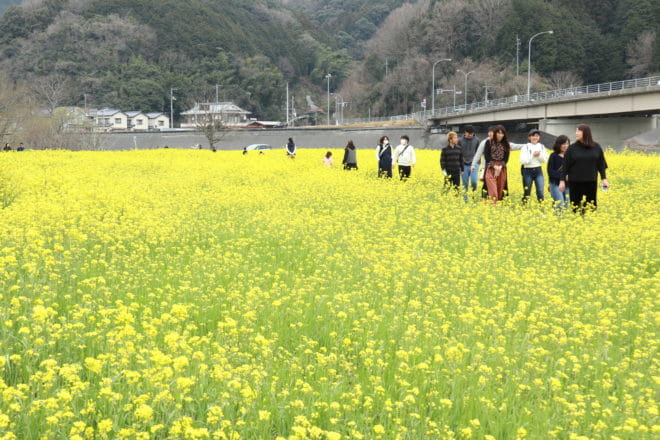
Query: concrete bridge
x=615 y=111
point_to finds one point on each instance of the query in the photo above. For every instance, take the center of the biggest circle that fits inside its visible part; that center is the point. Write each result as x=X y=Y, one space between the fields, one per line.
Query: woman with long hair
x=350 y=157
x=384 y=157
x=496 y=153
x=583 y=161
x=555 y=166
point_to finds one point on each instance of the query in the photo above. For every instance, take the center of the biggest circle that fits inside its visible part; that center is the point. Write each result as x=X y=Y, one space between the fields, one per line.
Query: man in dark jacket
x=451 y=162
x=469 y=144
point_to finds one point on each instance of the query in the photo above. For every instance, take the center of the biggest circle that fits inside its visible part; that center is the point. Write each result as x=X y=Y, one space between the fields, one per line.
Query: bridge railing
x=519 y=100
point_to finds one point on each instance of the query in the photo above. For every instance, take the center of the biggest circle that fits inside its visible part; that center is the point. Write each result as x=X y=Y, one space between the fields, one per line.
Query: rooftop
x=215 y=107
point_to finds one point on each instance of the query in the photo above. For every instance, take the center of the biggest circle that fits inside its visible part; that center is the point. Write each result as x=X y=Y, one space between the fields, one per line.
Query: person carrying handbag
x=404 y=157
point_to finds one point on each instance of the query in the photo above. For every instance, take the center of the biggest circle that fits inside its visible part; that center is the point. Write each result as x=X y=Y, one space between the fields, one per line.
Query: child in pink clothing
x=327 y=160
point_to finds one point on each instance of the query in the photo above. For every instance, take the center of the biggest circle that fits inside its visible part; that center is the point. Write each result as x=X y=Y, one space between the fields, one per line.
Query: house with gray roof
x=137 y=121
x=227 y=112
x=158 y=121
x=109 y=119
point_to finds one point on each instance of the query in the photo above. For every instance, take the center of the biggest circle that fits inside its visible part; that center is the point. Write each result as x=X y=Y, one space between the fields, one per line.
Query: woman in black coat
x=583 y=161
x=350 y=157
x=384 y=157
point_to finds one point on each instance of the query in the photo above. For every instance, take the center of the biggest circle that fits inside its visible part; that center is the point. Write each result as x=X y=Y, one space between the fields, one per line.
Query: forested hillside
x=350 y=22
x=593 y=41
x=130 y=53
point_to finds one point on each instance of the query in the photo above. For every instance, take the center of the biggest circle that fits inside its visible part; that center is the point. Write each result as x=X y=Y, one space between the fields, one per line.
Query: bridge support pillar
x=608 y=132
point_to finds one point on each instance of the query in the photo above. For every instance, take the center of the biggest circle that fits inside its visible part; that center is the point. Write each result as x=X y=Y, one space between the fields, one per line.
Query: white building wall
x=161 y=122
x=119 y=121
x=139 y=122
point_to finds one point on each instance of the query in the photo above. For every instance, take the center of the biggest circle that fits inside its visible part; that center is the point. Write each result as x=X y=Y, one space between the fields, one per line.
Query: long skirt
x=495 y=185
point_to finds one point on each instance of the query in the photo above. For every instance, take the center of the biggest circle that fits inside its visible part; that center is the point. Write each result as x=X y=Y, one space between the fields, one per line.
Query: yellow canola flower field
x=191 y=295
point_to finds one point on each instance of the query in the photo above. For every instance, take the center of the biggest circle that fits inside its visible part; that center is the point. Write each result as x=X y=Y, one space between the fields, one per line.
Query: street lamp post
x=529 y=61
x=172 y=89
x=433 y=84
x=466 y=80
x=328 y=76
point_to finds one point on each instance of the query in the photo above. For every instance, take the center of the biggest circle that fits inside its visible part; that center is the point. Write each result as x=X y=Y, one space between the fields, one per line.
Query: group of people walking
x=387 y=156
x=572 y=169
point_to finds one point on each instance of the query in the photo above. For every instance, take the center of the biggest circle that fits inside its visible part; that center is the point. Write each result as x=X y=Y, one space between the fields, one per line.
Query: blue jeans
x=535 y=175
x=470 y=176
x=560 y=198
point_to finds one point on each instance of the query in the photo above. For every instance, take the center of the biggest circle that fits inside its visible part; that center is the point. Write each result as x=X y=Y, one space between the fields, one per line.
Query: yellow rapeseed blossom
x=144 y=413
x=264 y=415
x=192 y=295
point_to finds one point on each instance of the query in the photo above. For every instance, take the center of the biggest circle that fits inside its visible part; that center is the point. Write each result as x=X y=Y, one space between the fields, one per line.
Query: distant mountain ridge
x=130 y=53
x=380 y=53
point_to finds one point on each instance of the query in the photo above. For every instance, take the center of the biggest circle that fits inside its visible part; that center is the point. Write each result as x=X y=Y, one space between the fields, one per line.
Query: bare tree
x=564 y=79
x=65 y=127
x=16 y=109
x=90 y=137
x=212 y=127
x=444 y=26
x=489 y=14
x=50 y=90
x=395 y=35
x=72 y=129
x=639 y=53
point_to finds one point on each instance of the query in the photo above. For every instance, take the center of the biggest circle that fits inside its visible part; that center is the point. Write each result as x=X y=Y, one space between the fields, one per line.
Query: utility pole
x=517 y=56
x=287 y=103
x=452 y=90
x=328 y=76
x=486 y=87
x=336 y=109
x=386 y=67
x=172 y=89
x=217 y=99
x=339 y=109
